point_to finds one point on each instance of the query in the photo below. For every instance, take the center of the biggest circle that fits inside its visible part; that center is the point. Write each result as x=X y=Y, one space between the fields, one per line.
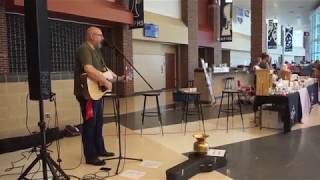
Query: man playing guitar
x=89 y=62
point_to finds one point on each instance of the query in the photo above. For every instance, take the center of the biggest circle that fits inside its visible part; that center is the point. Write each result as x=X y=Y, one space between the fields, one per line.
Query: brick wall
x=4 y=64
x=258 y=28
x=122 y=37
x=123 y=40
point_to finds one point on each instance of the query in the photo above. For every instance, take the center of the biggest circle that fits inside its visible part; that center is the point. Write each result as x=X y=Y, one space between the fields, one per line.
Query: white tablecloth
x=305 y=103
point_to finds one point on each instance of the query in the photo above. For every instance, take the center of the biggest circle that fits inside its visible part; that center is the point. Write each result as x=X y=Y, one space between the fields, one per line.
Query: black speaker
x=37 y=48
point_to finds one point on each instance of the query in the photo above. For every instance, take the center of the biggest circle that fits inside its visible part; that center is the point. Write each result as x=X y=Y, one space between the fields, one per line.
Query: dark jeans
x=92 y=138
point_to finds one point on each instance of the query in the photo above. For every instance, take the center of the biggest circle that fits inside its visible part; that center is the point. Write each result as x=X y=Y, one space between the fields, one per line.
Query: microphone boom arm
x=127 y=61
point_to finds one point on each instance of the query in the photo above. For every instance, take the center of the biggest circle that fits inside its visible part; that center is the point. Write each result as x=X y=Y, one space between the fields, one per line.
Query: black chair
x=151 y=113
x=231 y=93
x=195 y=98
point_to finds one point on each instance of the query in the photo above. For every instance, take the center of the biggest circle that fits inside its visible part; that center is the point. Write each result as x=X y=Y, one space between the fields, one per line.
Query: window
x=65 y=38
x=315 y=35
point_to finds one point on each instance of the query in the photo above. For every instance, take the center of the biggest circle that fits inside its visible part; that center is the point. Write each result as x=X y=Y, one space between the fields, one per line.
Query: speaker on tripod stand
x=37 y=48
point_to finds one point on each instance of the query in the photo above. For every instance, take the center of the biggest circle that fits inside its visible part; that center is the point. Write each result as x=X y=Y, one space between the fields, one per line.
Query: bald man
x=89 y=60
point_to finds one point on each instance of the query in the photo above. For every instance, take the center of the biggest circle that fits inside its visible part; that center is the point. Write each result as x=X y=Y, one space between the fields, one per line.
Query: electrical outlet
x=47 y=115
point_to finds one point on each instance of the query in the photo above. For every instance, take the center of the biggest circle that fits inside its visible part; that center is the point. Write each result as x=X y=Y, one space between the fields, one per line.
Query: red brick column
x=122 y=38
x=258 y=28
x=189 y=12
x=4 y=60
x=216 y=33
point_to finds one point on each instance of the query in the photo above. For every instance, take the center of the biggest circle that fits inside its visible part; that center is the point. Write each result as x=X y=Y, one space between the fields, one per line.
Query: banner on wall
x=137 y=10
x=226 y=21
x=272 y=34
x=288 y=39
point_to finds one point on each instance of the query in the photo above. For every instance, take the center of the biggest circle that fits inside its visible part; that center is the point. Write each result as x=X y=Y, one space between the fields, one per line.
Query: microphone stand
x=121 y=157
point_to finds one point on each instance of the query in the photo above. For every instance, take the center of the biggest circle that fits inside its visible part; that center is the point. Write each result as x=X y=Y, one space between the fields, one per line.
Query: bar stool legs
x=230 y=95
x=186 y=112
x=150 y=113
x=143 y=114
x=240 y=111
x=159 y=114
x=115 y=100
x=228 y=112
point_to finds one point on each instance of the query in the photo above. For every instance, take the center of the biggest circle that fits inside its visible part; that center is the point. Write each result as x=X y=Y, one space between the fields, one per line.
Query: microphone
x=107 y=44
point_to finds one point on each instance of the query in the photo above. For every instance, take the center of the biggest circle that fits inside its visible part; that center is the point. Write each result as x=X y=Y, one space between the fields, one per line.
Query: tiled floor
x=247 y=150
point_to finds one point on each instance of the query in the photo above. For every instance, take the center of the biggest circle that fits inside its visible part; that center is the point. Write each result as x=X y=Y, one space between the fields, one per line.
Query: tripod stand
x=44 y=155
x=120 y=157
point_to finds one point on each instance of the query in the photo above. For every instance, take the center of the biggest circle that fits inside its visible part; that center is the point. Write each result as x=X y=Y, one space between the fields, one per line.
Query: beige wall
x=13 y=107
x=171 y=8
x=149 y=59
x=171 y=30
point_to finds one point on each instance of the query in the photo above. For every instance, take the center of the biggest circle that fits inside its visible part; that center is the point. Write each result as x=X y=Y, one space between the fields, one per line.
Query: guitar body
x=92 y=89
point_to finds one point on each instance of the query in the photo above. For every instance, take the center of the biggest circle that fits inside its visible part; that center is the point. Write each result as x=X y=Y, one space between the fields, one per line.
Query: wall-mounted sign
x=226 y=21
x=136 y=7
x=288 y=39
x=272 y=34
x=151 y=30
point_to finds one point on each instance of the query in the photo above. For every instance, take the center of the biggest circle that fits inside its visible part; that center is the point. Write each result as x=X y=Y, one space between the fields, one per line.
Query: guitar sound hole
x=102 y=88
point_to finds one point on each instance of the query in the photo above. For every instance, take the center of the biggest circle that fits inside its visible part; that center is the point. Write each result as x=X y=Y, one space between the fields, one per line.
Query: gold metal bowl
x=200 y=146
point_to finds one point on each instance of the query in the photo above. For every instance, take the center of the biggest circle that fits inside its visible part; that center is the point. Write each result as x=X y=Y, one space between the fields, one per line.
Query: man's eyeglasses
x=101 y=35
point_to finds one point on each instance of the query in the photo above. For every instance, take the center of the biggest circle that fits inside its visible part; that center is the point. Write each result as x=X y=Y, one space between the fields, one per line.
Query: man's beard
x=98 y=46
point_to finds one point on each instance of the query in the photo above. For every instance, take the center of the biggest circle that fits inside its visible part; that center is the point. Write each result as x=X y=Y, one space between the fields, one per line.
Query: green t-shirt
x=86 y=55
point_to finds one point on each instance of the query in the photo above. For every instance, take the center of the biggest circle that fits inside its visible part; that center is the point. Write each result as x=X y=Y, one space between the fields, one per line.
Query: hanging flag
x=288 y=39
x=272 y=34
x=226 y=21
x=136 y=7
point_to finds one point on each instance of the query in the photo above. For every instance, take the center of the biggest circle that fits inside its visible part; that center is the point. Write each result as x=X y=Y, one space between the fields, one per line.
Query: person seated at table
x=316 y=69
x=264 y=64
x=269 y=61
x=316 y=64
x=298 y=70
x=256 y=63
x=289 y=66
x=285 y=67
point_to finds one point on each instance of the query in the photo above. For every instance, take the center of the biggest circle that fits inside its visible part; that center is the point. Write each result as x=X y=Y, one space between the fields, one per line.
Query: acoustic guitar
x=92 y=89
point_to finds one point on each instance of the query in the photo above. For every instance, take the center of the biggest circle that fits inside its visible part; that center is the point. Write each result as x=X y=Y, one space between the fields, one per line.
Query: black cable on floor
x=17 y=161
x=56 y=124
